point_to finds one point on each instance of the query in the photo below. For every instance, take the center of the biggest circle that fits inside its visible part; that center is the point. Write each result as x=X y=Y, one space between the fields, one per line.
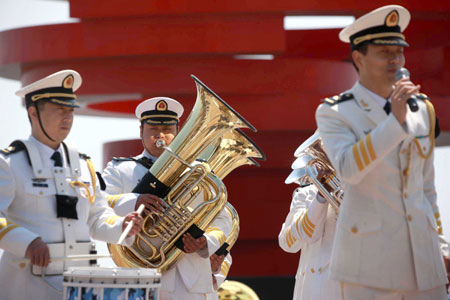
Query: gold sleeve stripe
x=308 y=221
x=218 y=234
x=291 y=236
x=211 y=229
x=224 y=271
x=7 y=229
x=357 y=158
x=225 y=268
x=288 y=240
x=370 y=147
x=298 y=219
x=111 y=220
x=112 y=199
x=363 y=151
x=306 y=229
x=305 y=225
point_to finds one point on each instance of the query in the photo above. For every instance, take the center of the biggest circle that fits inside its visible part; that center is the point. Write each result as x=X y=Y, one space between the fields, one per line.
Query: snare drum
x=89 y=283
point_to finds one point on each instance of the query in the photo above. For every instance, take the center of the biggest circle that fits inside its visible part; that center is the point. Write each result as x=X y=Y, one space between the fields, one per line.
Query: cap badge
x=68 y=82
x=161 y=105
x=392 y=19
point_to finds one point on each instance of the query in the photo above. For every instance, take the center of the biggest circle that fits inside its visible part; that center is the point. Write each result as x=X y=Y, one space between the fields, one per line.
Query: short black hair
x=363 y=49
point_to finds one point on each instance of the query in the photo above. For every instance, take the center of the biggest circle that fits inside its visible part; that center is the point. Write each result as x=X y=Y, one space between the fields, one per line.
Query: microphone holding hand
x=412 y=102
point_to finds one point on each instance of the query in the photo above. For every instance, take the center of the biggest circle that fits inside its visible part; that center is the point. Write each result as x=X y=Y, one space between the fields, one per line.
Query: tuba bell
x=192 y=193
x=311 y=157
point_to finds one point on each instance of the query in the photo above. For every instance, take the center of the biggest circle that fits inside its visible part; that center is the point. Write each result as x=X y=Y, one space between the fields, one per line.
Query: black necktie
x=57 y=158
x=387 y=107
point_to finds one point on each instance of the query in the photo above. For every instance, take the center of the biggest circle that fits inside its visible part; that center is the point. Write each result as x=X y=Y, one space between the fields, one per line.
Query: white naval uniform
x=191 y=278
x=28 y=211
x=310 y=227
x=387 y=231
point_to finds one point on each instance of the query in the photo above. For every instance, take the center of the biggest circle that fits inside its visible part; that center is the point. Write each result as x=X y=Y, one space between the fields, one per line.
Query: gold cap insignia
x=161 y=106
x=392 y=19
x=68 y=82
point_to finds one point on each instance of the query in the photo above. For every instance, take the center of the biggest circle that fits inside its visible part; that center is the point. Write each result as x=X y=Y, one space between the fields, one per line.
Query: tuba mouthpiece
x=160 y=143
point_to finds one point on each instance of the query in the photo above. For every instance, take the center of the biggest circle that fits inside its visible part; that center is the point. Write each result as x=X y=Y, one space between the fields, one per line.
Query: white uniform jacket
x=310 y=227
x=194 y=269
x=387 y=231
x=28 y=211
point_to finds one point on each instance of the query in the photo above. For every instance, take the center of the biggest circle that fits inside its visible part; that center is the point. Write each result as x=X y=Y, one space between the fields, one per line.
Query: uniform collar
x=46 y=151
x=148 y=155
x=367 y=101
x=378 y=99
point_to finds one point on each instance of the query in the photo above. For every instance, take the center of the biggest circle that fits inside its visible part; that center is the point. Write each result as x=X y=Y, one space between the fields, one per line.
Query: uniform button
x=22 y=265
x=70 y=247
x=403 y=151
x=303 y=274
x=405 y=195
x=68 y=225
x=319 y=270
x=410 y=218
x=41 y=193
x=354 y=229
x=312 y=270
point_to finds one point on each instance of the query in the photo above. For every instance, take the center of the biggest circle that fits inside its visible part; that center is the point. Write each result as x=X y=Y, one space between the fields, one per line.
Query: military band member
x=387 y=243
x=191 y=277
x=310 y=226
x=50 y=201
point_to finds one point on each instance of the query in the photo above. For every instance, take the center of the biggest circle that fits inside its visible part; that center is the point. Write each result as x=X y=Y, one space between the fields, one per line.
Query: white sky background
x=89 y=133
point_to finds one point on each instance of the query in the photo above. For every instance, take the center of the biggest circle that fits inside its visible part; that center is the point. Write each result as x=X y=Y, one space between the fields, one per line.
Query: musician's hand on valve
x=137 y=219
x=38 y=253
x=402 y=91
x=192 y=245
x=151 y=202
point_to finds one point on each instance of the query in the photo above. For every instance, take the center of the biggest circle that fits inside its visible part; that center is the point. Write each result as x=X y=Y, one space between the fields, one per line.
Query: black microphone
x=412 y=102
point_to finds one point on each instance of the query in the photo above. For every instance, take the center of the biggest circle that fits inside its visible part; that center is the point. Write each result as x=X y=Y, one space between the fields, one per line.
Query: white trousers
x=359 y=292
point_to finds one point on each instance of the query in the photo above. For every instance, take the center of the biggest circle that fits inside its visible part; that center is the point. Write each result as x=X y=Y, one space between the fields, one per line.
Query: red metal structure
x=130 y=52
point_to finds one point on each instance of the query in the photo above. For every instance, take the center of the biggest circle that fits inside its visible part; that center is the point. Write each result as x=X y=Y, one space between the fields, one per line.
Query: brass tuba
x=310 y=158
x=193 y=195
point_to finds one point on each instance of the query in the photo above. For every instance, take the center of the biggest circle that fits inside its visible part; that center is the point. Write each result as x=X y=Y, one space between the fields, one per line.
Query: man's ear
x=140 y=130
x=32 y=114
x=357 y=58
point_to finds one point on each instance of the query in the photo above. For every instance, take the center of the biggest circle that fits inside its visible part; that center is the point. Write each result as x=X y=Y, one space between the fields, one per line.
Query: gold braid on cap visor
x=368 y=37
x=50 y=95
x=158 y=116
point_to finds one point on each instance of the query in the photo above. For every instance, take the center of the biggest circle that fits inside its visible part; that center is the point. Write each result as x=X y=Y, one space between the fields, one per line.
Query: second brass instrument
x=311 y=157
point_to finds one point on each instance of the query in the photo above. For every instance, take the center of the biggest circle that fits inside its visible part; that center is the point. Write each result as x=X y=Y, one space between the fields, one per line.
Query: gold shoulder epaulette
x=338 y=99
x=85 y=156
x=11 y=149
x=422 y=97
